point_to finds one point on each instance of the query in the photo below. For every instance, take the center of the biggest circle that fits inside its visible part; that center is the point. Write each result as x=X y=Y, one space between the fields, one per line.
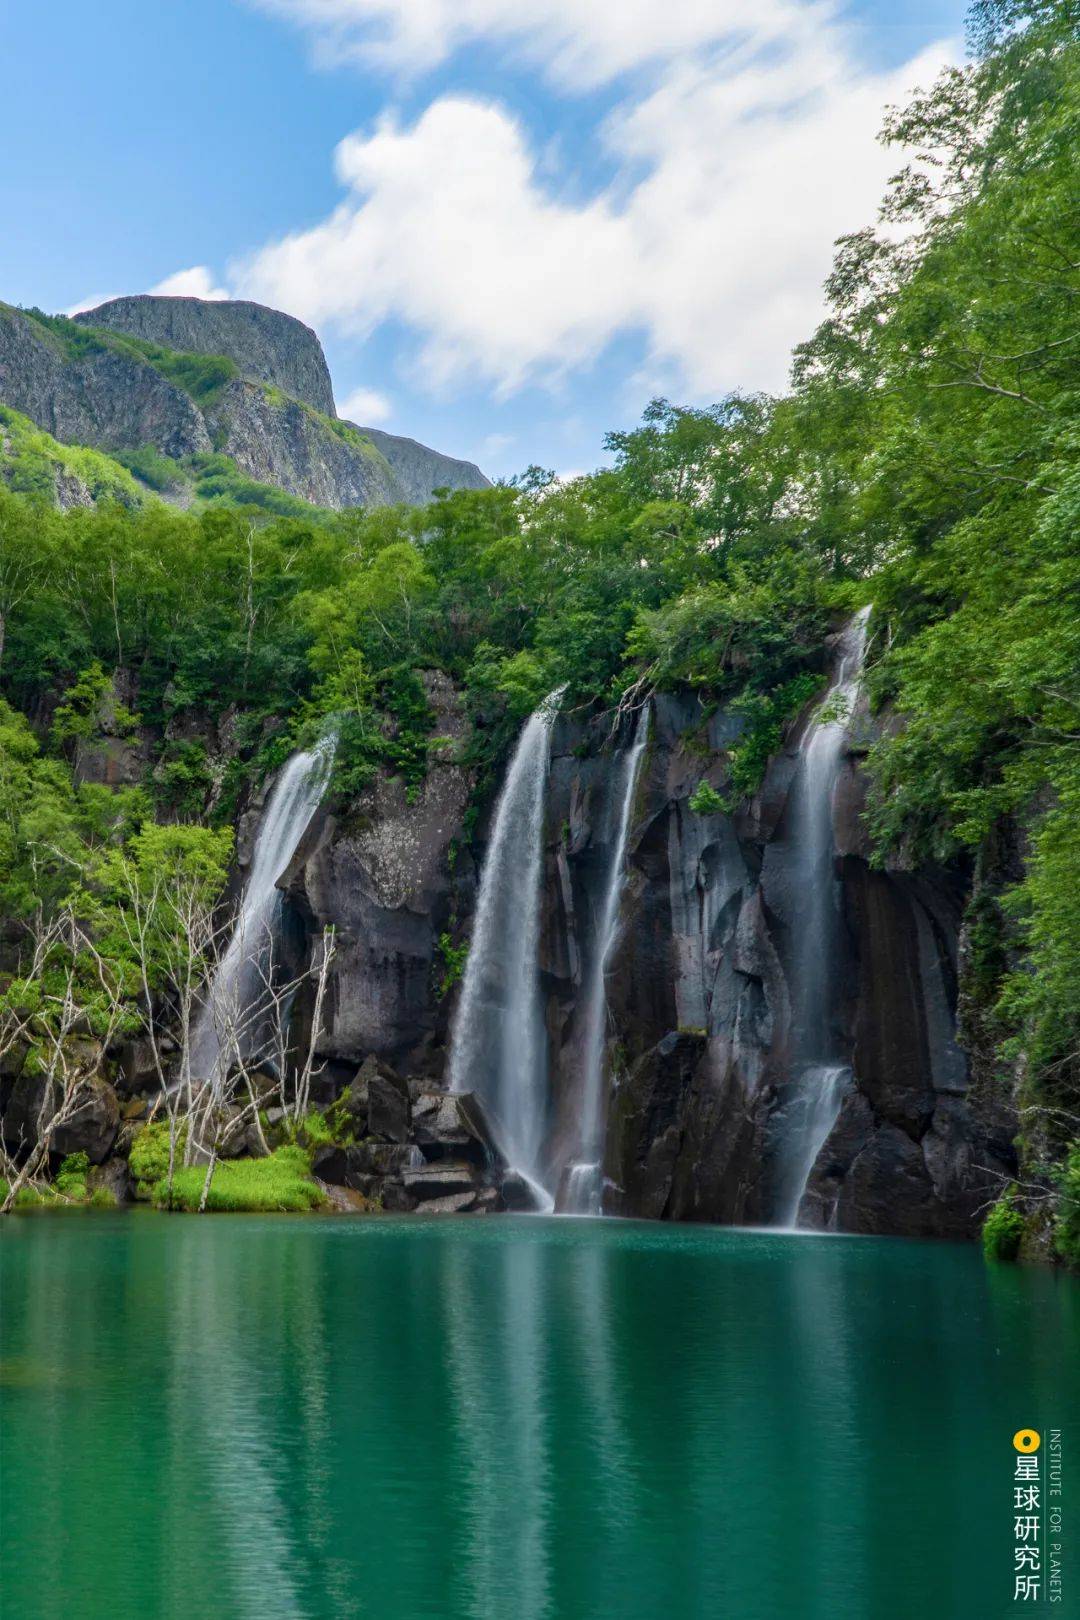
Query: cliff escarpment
x=701 y=986
x=216 y=389
x=265 y=344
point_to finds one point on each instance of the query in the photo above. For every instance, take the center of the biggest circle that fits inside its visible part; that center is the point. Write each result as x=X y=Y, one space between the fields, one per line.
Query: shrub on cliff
x=1003 y=1229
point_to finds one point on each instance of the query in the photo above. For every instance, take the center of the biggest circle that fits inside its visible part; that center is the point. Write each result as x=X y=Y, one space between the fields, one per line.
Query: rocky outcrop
x=419 y=472
x=105 y=398
x=90 y=1127
x=266 y=345
x=383 y=880
x=89 y=382
x=277 y=440
x=416 y=1147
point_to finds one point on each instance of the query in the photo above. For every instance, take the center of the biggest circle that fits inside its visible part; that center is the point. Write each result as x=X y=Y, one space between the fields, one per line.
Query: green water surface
x=289 y=1417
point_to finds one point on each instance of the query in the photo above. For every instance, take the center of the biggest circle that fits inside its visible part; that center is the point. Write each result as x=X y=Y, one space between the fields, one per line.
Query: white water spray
x=229 y=1015
x=584 y=1185
x=820 y=1078
x=498 y=1048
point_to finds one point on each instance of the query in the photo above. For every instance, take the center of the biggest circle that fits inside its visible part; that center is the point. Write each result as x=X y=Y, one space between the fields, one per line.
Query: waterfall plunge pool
x=315 y=1418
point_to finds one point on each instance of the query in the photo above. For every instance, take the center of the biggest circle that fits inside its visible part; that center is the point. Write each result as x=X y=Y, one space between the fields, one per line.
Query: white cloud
x=365 y=406
x=448 y=230
x=93 y=302
x=576 y=42
x=745 y=146
x=195 y=282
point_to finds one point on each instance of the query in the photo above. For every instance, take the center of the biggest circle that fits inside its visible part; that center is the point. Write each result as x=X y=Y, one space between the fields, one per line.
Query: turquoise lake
x=405 y=1418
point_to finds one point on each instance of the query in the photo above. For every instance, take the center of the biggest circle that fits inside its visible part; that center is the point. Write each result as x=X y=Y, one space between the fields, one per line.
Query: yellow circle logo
x=1027 y=1440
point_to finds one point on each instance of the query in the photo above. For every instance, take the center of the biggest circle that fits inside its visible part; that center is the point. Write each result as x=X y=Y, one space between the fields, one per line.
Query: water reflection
x=433 y=1420
x=496 y=1367
x=225 y=1407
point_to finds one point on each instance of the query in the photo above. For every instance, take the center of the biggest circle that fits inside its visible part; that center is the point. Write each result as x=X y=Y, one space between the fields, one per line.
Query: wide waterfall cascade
x=229 y=1015
x=498 y=1047
x=820 y=1074
x=584 y=1184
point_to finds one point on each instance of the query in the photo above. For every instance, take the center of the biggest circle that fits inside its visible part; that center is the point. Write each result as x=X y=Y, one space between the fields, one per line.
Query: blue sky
x=511 y=221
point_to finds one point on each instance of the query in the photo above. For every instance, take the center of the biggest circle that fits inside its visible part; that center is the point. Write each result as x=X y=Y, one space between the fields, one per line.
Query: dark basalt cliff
x=699 y=991
x=388 y=883
x=701 y=997
x=110 y=380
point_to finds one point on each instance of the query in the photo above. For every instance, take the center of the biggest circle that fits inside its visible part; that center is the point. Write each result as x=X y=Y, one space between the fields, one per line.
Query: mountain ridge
x=243 y=386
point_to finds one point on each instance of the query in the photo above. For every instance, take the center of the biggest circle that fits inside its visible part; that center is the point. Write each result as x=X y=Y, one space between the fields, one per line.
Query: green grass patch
x=200 y=376
x=71 y=1178
x=280 y=1182
x=73 y=340
x=28 y=1197
x=219 y=482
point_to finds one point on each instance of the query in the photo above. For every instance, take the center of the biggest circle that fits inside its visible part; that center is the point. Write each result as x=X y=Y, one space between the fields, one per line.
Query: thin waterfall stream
x=498 y=1046
x=229 y=1016
x=583 y=1190
x=821 y=1077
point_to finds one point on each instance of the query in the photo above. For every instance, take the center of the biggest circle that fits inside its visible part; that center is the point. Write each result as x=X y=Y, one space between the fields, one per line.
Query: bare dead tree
x=255 y=1037
x=174 y=934
x=77 y=1007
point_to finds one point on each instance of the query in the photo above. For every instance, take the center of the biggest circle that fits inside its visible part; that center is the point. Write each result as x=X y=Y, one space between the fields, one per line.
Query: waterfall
x=584 y=1185
x=807 y=1120
x=231 y=1010
x=498 y=1048
x=820 y=1076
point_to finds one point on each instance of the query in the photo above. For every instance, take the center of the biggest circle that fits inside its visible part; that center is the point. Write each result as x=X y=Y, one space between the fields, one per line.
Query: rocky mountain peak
x=266 y=345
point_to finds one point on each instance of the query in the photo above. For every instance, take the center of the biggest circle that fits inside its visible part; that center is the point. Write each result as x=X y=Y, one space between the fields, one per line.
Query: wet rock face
x=91 y=1128
x=700 y=996
x=384 y=882
x=699 y=987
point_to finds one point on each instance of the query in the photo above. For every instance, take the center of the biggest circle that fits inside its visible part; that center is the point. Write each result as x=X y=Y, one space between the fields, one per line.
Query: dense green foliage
x=148 y=1160
x=32 y=462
